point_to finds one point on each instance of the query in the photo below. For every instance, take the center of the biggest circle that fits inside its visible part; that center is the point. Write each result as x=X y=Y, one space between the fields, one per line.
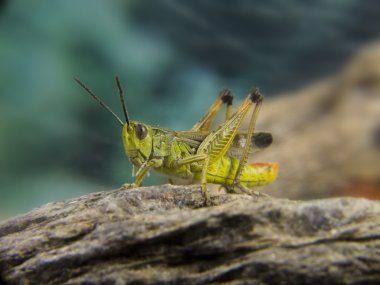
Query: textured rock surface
x=163 y=234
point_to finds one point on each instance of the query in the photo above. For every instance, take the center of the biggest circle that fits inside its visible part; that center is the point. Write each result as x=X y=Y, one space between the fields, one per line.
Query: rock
x=163 y=234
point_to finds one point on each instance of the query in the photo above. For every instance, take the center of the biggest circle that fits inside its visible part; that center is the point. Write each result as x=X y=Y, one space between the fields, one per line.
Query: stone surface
x=164 y=234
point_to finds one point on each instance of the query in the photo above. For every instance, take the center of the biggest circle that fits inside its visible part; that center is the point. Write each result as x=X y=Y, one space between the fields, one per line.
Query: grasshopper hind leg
x=249 y=191
x=257 y=98
x=225 y=97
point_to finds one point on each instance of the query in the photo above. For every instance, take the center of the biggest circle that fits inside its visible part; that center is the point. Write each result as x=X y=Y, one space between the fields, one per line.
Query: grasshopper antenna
x=100 y=101
x=121 y=94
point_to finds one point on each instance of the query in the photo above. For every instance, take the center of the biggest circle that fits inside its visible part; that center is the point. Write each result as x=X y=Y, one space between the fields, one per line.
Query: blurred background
x=310 y=58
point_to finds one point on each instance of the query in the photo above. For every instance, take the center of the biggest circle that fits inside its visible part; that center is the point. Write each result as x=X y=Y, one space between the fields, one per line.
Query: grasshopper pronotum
x=218 y=156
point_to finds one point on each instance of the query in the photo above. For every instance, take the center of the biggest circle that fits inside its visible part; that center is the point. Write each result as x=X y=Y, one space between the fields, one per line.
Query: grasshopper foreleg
x=142 y=171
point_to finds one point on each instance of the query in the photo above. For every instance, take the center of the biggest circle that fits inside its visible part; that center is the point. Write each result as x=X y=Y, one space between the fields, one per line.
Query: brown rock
x=162 y=235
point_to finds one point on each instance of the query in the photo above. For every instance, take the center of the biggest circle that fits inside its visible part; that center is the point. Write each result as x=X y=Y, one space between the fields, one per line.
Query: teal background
x=172 y=57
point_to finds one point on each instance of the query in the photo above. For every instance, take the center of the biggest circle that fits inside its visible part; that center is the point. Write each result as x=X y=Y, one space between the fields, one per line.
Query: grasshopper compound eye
x=141 y=131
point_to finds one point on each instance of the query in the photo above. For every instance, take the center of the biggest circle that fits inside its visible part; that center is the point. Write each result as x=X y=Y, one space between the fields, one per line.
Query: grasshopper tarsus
x=128 y=186
x=251 y=192
x=207 y=199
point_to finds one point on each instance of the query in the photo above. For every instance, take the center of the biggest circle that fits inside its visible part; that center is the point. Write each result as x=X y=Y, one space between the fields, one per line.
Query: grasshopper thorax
x=137 y=140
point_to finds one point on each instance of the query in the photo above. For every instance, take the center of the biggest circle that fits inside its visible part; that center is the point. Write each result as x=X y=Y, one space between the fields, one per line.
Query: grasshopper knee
x=227 y=97
x=256 y=96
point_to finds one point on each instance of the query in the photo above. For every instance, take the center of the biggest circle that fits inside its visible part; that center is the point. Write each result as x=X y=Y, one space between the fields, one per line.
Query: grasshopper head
x=137 y=140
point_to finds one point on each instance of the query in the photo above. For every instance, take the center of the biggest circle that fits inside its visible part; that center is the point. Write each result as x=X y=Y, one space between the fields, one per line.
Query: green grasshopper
x=218 y=156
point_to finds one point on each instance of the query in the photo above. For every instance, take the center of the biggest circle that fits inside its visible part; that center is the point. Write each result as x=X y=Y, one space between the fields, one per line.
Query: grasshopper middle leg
x=194 y=159
x=142 y=171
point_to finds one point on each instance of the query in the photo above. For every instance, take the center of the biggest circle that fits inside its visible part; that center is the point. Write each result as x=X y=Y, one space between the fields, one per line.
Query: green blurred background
x=172 y=57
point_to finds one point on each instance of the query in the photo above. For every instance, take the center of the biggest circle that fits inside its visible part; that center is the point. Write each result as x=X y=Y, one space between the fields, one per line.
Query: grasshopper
x=210 y=156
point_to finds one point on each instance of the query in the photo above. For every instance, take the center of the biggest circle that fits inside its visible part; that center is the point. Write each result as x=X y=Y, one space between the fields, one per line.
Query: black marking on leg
x=262 y=139
x=255 y=95
x=226 y=96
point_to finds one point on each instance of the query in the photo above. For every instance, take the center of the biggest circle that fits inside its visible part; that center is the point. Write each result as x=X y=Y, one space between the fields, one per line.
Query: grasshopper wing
x=260 y=141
